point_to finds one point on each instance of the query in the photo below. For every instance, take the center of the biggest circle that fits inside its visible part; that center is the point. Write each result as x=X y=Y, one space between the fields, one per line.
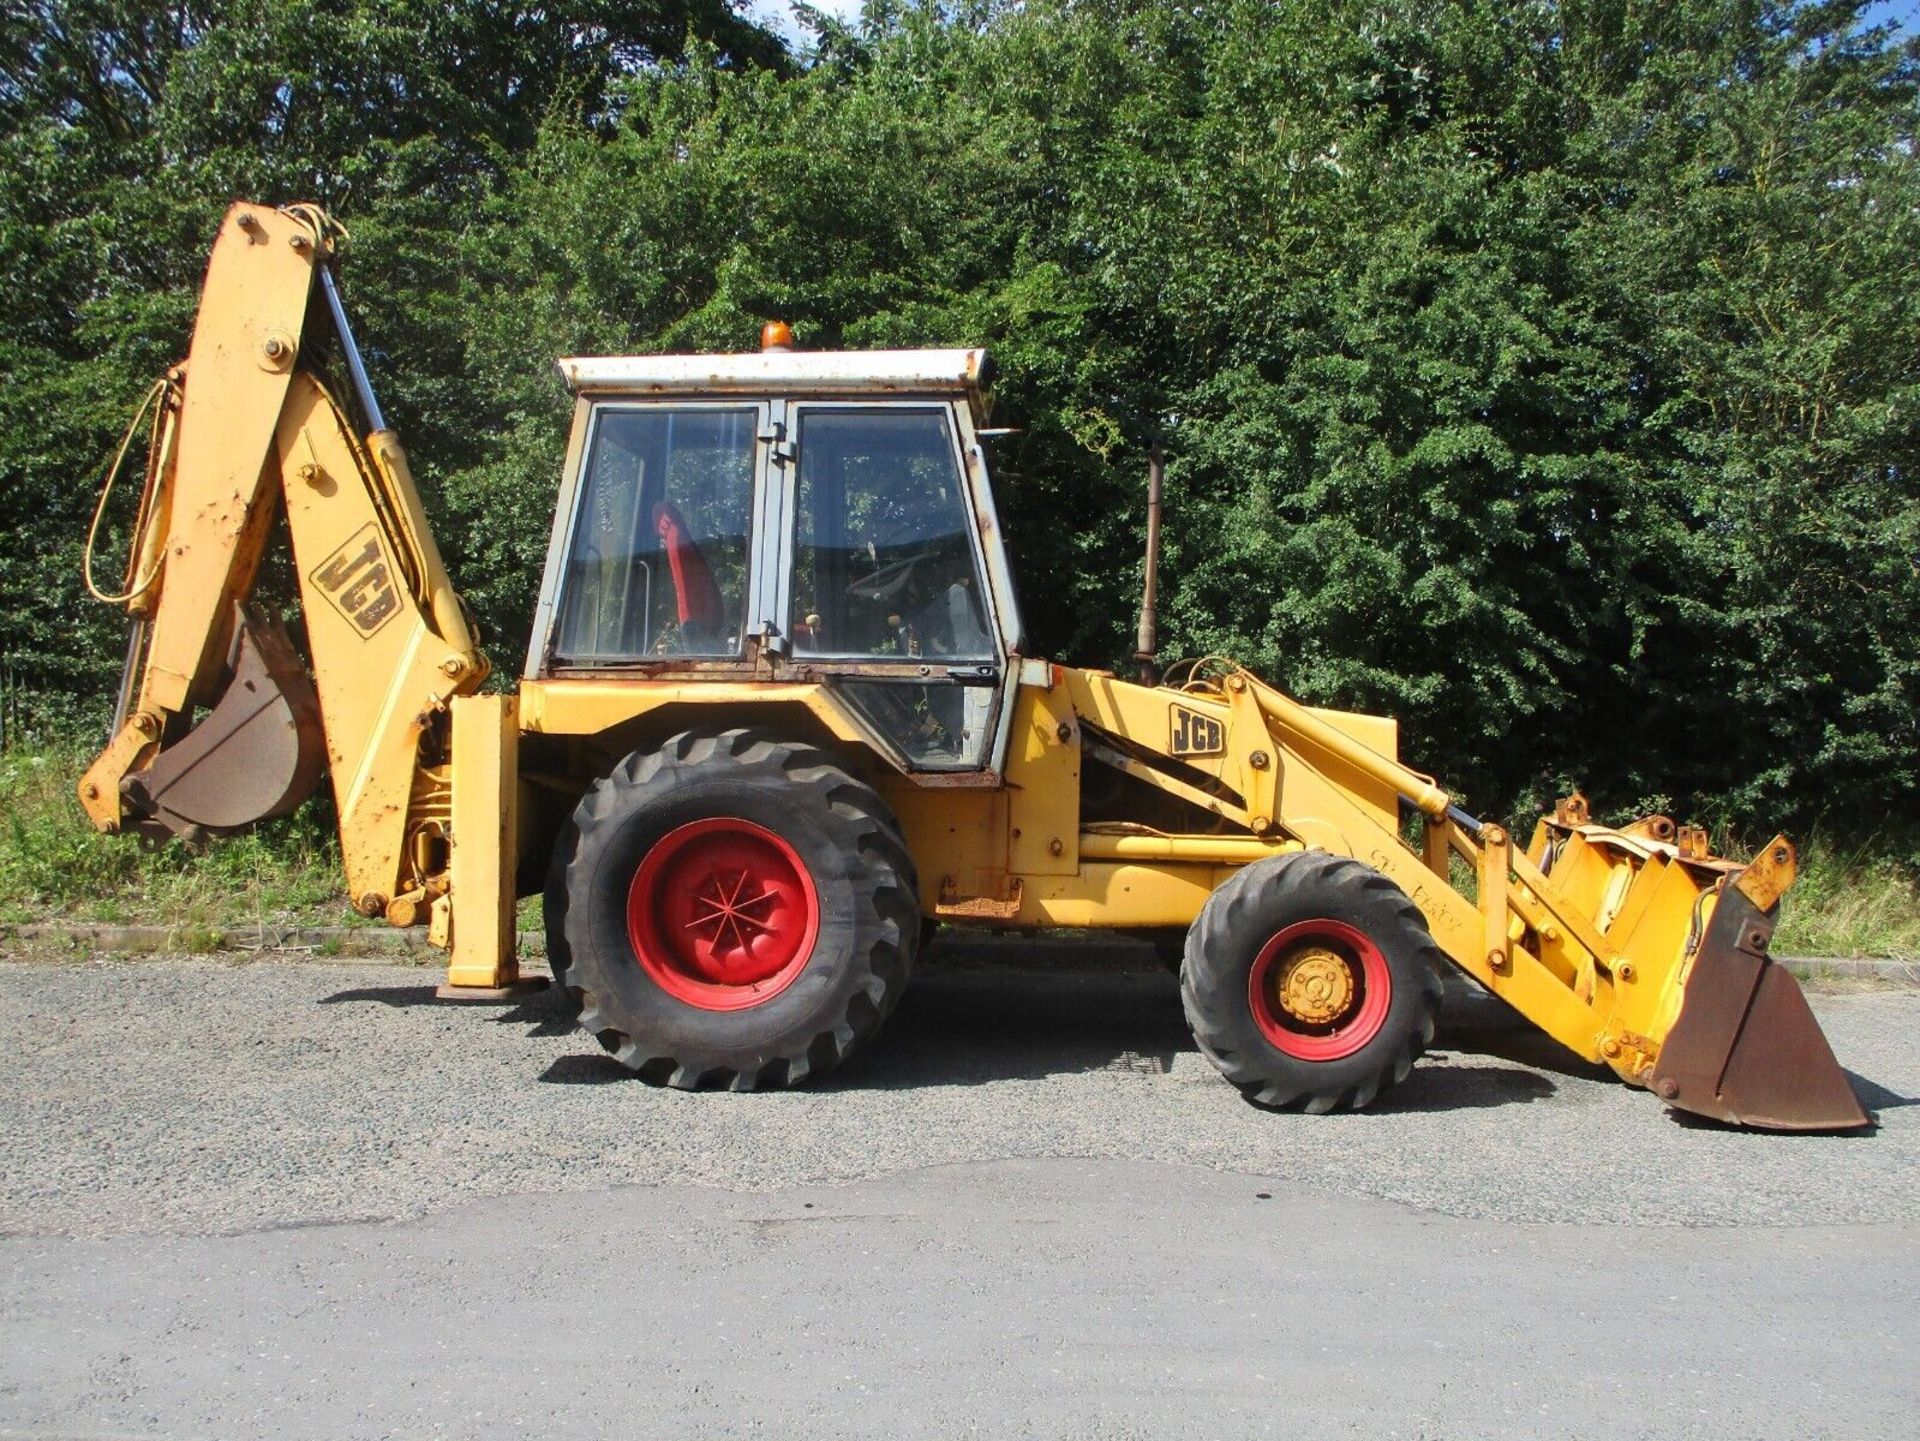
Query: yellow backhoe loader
x=778 y=719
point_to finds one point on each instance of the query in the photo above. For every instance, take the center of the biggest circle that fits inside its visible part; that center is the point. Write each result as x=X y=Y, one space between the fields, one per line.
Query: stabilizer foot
x=512 y=991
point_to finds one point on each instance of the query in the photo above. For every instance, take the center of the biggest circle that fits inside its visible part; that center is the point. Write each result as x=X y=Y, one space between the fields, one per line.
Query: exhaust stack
x=1146 y=643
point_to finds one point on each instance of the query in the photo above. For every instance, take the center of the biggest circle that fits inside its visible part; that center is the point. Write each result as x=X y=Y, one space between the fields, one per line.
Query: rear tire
x=731 y=910
x=1311 y=982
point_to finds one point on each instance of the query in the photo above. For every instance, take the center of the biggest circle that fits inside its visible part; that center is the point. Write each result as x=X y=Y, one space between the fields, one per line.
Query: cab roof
x=839 y=374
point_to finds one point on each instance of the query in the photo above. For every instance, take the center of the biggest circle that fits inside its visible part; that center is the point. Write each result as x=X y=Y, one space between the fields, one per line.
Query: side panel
x=1043 y=784
x=958 y=839
x=1121 y=895
x=1314 y=796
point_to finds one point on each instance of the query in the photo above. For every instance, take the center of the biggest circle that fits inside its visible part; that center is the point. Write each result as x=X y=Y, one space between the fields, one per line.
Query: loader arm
x=223 y=724
x=1633 y=947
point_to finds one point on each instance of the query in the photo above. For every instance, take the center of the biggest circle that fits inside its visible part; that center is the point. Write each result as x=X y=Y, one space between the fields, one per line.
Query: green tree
x=1543 y=373
x=129 y=125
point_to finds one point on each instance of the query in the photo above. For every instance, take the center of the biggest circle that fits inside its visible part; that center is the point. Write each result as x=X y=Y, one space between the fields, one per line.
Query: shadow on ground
x=966 y=1026
x=1448 y=1083
x=1475 y=1023
x=548 y=1012
x=982 y=1012
x=1876 y=1097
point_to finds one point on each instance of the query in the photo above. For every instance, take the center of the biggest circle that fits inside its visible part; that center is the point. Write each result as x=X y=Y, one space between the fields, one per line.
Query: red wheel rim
x=722 y=914
x=1319 y=990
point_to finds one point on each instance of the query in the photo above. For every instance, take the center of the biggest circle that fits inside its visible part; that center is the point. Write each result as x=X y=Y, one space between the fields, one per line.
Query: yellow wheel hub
x=1315 y=985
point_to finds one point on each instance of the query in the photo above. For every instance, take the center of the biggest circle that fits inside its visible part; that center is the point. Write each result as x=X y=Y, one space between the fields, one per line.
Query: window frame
x=790 y=539
x=542 y=658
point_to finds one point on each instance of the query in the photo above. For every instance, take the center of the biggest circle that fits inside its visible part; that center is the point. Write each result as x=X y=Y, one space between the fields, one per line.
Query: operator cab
x=789 y=516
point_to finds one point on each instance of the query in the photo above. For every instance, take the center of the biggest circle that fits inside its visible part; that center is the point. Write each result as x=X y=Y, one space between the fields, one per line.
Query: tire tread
x=862 y=824
x=1213 y=980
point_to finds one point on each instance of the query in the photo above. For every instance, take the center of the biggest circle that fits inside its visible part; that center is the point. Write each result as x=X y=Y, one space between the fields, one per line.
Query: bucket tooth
x=1745 y=1047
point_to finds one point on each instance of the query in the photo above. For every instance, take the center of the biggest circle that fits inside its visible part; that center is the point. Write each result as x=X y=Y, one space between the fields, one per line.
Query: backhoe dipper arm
x=248 y=428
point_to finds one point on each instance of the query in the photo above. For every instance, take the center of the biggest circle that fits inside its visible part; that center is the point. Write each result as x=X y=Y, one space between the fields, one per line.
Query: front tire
x=1311 y=982
x=732 y=910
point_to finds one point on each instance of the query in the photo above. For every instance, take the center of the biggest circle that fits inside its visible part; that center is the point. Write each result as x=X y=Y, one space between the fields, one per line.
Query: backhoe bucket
x=258 y=753
x=1745 y=1047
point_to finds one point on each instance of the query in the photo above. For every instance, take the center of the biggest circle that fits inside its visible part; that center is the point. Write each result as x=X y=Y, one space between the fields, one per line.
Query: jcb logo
x=1196 y=735
x=358 y=579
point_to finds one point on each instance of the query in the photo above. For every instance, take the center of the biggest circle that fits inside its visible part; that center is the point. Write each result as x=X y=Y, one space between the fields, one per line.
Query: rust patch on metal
x=1746 y=1047
x=1770 y=874
x=979 y=908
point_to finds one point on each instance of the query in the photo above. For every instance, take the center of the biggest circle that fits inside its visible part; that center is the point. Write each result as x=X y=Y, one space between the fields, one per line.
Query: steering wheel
x=886 y=582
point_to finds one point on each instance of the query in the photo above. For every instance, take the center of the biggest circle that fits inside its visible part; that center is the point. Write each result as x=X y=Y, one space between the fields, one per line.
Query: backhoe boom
x=224 y=726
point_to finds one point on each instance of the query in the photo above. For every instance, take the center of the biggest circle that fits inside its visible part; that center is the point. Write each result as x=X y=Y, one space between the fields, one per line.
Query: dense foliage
x=1547 y=374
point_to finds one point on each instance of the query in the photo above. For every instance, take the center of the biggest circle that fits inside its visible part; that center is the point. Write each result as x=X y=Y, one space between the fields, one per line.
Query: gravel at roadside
x=204 y=1095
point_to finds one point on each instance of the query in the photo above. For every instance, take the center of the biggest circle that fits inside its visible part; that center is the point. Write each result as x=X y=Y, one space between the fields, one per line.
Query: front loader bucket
x=1637 y=947
x=258 y=753
x=1745 y=1047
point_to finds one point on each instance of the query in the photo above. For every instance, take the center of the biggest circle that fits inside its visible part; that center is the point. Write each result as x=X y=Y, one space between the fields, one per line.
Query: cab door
x=884 y=591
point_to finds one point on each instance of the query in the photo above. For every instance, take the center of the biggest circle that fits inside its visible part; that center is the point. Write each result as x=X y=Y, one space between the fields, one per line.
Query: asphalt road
x=305 y=1200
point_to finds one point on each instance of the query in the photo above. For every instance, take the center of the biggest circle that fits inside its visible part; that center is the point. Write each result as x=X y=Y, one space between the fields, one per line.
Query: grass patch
x=54 y=865
x=1850 y=901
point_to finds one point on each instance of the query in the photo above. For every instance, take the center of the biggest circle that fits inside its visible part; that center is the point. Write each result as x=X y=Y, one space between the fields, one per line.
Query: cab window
x=658 y=562
x=883 y=565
